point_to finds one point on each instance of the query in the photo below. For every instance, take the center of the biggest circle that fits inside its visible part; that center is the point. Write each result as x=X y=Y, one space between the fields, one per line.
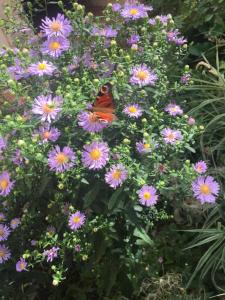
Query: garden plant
x=97 y=154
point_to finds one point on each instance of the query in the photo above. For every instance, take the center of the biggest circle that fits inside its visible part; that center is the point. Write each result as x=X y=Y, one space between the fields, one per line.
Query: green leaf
x=114 y=199
x=141 y=233
x=90 y=197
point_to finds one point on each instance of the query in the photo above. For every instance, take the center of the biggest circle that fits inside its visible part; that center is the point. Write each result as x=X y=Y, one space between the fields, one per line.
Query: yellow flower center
x=132 y=109
x=61 y=158
x=2 y=253
x=76 y=220
x=146 y=146
x=173 y=109
x=47 y=108
x=22 y=265
x=4 y=184
x=205 y=189
x=42 y=66
x=116 y=174
x=95 y=154
x=56 y=26
x=13 y=222
x=46 y=134
x=54 y=46
x=147 y=195
x=142 y=75
x=133 y=11
x=171 y=136
x=1 y=232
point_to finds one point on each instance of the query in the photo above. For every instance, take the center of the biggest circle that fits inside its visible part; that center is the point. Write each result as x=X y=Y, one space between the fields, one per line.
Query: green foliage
x=122 y=239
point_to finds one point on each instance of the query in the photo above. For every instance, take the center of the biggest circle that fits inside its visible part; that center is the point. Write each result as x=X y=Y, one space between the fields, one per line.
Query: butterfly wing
x=104 y=106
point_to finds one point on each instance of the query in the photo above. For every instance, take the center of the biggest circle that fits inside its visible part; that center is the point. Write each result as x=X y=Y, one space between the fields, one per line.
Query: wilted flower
x=76 y=220
x=47 y=107
x=147 y=195
x=77 y=248
x=5 y=184
x=172 y=36
x=42 y=68
x=142 y=75
x=15 y=223
x=5 y=254
x=21 y=265
x=59 y=26
x=116 y=175
x=55 y=46
x=185 y=79
x=61 y=160
x=205 y=189
x=17 y=158
x=173 y=109
x=200 y=167
x=51 y=253
x=133 y=39
x=96 y=155
x=133 y=110
x=51 y=229
x=171 y=136
x=191 y=121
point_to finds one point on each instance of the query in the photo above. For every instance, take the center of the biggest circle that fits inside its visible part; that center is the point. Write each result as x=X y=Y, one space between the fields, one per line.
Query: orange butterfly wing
x=104 y=106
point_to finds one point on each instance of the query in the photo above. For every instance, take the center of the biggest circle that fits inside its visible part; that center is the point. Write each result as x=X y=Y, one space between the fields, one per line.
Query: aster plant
x=103 y=186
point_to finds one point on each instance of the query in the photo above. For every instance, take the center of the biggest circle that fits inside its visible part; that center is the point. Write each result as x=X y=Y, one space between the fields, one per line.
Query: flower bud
x=126 y=141
x=113 y=43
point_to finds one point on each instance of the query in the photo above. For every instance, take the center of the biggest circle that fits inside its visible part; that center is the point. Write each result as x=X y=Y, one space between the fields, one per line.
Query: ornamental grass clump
x=94 y=144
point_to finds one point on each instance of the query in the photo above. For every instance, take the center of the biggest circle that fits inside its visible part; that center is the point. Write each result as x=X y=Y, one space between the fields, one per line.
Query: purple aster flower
x=147 y=195
x=33 y=242
x=145 y=146
x=41 y=68
x=163 y=19
x=4 y=232
x=90 y=122
x=61 y=160
x=48 y=133
x=143 y=76
x=76 y=220
x=5 y=184
x=109 y=32
x=133 y=110
x=172 y=36
x=51 y=229
x=17 y=72
x=55 y=46
x=59 y=26
x=133 y=39
x=21 y=265
x=116 y=175
x=96 y=155
x=152 y=21
x=5 y=254
x=47 y=107
x=88 y=61
x=3 y=144
x=171 y=136
x=205 y=189
x=17 y=158
x=135 y=11
x=2 y=217
x=173 y=109
x=185 y=79
x=116 y=7
x=51 y=253
x=15 y=223
x=191 y=121
x=77 y=248
x=200 y=167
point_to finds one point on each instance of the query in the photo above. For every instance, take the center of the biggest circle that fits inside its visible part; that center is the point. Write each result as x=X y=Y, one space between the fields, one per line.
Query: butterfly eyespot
x=104 y=89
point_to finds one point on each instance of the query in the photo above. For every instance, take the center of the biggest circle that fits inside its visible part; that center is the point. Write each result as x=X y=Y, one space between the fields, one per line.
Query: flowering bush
x=81 y=189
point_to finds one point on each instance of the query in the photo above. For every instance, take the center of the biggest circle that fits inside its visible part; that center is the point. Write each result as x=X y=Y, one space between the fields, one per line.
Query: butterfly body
x=104 y=106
